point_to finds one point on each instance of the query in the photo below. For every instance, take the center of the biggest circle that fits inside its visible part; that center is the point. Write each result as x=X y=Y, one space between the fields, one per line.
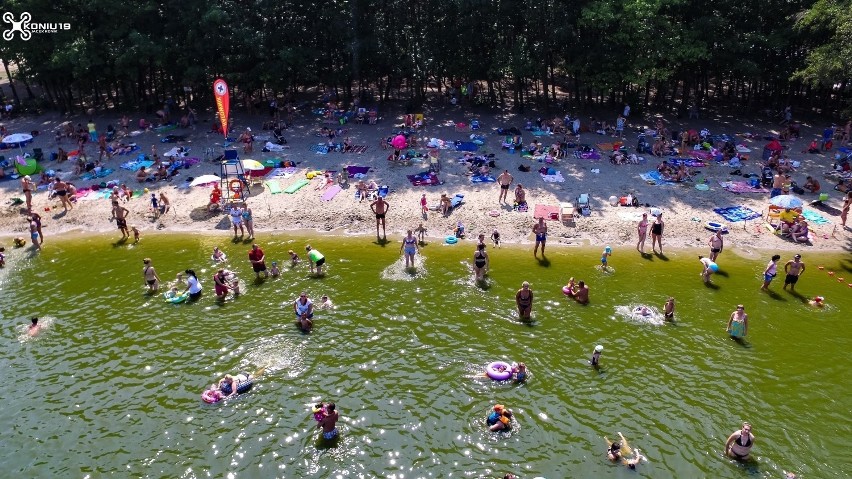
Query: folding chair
x=566 y=213
x=584 y=205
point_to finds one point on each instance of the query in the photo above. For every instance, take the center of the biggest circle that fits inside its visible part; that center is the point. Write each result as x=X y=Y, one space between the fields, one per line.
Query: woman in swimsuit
x=27 y=186
x=480 y=261
x=739 y=443
x=668 y=309
x=642 y=230
x=249 y=221
x=237 y=220
x=657 y=233
x=150 y=274
x=738 y=324
x=409 y=248
x=524 y=300
x=220 y=283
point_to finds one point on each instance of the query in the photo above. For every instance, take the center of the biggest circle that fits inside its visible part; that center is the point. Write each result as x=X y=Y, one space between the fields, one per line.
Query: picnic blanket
x=331 y=192
x=274 y=187
x=737 y=213
x=357 y=170
x=548 y=212
x=136 y=164
x=424 y=179
x=296 y=186
x=700 y=154
x=587 y=155
x=654 y=177
x=281 y=173
x=358 y=149
x=466 y=146
x=554 y=178
x=482 y=179
x=742 y=187
x=815 y=218
x=688 y=162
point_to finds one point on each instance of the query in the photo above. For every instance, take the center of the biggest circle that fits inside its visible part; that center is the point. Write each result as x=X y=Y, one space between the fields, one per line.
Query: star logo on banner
x=221 y=89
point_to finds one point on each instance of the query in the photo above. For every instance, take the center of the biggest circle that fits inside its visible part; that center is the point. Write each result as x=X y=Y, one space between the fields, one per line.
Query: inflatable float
x=212 y=396
x=499 y=370
x=172 y=297
x=221 y=258
x=451 y=239
x=713 y=226
x=567 y=291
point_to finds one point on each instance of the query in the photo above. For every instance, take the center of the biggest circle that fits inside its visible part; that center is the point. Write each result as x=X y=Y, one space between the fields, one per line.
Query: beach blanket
x=92 y=175
x=815 y=218
x=136 y=164
x=741 y=187
x=700 y=154
x=259 y=173
x=737 y=213
x=540 y=133
x=274 y=187
x=587 y=155
x=688 y=162
x=482 y=179
x=296 y=186
x=555 y=178
x=274 y=147
x=467 y=146
x=521 y=208
x=457 y=200
x=319 y=149
x=177 y=151
x=331 y=192
x=547 y=212
x=165 y=128
x=281 y=173
x=357 y=170
x=424 y=179
x=654 y=177
x=358 y=149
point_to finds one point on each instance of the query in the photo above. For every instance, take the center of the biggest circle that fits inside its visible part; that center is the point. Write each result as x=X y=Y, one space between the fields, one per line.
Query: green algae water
x=112 y=387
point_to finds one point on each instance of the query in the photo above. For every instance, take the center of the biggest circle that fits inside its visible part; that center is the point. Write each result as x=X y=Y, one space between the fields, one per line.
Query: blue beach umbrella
x=786 y=201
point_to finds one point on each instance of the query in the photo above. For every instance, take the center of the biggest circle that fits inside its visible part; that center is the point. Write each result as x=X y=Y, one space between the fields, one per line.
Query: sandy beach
x=686 y=209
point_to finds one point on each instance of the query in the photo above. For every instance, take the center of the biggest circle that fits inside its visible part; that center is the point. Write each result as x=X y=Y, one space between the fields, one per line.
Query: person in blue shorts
x=607 y=252
x=540 y=230
x=329 y=422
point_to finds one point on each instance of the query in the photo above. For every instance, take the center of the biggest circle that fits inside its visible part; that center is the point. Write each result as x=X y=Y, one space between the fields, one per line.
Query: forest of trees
x=666 y=54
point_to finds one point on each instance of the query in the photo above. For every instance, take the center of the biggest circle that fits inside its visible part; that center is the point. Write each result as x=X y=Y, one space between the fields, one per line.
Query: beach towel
x=92 y=175
x=358 y=149
x=540 y=133
x=321 y=149
x=655 y=178
x=606 y=147
x=554 y=178
x=356 y=170
x=134 y=165
x=700 y=154
x=165 y=128
x=281 y=173
x=424 y=179
x=138 y=193
x=383 y=191
x=457 y=200
x=688 y=162
x=274 y=147
x=296 y=186
x=737 y=213
x=467 y=146
x=815 y=218
x=482 y=179
x=741 y=187
x=587 y=155
x=547 y=212
x=330 y=193
x=521 y=208
x=274 y=187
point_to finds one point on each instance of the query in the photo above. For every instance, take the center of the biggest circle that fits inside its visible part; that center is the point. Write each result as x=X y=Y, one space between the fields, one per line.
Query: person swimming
x=34 y=328
x=325 y=302
x=274 y=271
x=596 y=356
x=642 y=311
x=616 y=449
x=520 y=371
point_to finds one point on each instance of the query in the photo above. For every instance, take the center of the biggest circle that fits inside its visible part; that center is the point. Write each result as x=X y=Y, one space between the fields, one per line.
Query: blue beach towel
x=737 y=213
x=482 y=179
x=815 y=218
x=467 y=146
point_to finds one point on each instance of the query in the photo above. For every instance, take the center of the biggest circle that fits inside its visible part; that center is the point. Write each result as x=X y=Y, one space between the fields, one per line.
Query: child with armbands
x=319 y=411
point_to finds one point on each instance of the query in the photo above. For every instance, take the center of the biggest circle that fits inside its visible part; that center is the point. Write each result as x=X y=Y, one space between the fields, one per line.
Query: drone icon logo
x=19 y=26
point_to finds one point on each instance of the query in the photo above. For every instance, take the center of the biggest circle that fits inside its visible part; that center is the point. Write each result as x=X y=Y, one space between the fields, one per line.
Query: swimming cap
x=598 y=348
x=608 y=249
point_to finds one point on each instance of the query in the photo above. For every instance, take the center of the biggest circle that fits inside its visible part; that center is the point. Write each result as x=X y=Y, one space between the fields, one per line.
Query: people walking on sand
x=739 y=444
x=524 y=301
x=716 y=245
x=152 y=279
x=258 y=260
x=540 y=231
x=642 y=232
x=793 y=269
x=738 y=323
x=315 y=258
x=409 y=248
x=27 y=187
x=657 y=233
x=505 y=181
x=770 y=271
x=380 y=209
x=119 y=214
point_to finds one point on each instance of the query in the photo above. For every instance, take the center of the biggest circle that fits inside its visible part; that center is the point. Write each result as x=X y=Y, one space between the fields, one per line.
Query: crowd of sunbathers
x=670 y=172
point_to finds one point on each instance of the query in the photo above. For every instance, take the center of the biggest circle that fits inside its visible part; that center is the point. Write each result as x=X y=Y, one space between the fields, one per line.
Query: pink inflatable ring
x=499 y=370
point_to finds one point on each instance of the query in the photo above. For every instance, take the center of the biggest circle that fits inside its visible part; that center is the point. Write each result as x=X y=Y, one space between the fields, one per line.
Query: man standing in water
x=540 y=231
x=34 y=232
x=119 y=214
x=794 y=268
x=504 y=180
x=329 y=422
x=258 y=260
x=380 y=208
x=716 y=245
x=524 y=300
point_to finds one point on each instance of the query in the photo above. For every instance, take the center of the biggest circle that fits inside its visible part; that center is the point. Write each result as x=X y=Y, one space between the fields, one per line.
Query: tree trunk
x=12 y=84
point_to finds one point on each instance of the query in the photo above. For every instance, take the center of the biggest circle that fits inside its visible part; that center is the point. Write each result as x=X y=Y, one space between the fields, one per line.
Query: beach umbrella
x=786 y=201
x=17 y=138
x=399 y=142
x=252 y=165
x=205 y=179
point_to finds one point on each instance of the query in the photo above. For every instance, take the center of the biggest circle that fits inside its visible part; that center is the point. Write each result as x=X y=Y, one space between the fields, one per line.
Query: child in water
x=294 y=258
x=569 y=287
x=274 y=271
x=320 y=412
x=596 y=356
x=179 y=282
x=218 y=255
x=136 y=234
x=421 y=233
x=520 y=371
x=495 y=237
x=607 y=252
x=2 y=257
x=325 y=302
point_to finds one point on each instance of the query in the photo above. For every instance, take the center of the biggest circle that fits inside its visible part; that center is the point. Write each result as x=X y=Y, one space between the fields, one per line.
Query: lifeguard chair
x=234 y=184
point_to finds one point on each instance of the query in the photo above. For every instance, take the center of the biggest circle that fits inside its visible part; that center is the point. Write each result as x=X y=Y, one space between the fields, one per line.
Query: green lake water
x=112 y=387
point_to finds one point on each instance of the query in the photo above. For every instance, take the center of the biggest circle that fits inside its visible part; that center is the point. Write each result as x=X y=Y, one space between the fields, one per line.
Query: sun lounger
x=296 y=186
x=274 y=187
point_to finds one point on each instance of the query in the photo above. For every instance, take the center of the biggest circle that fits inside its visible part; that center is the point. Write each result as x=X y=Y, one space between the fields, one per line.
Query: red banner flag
x=220 y=92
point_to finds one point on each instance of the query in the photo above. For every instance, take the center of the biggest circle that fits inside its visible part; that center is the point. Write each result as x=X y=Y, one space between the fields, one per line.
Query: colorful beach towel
x=654 y=177
x=424 y=179
x=92 y=175
x=321 y=149
x=136 y=164
x=281 y=173
x=274 y=187
x=482 y=179
x=548 y=212
x=296 y=186
x=331 y=192
x=554 y=178
x=540 y=133
x=700 y=154
x=737 y=213
x=815 y=218
x=356 y=170
x=688 y=162
x=741 y=187
x=467 y=146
